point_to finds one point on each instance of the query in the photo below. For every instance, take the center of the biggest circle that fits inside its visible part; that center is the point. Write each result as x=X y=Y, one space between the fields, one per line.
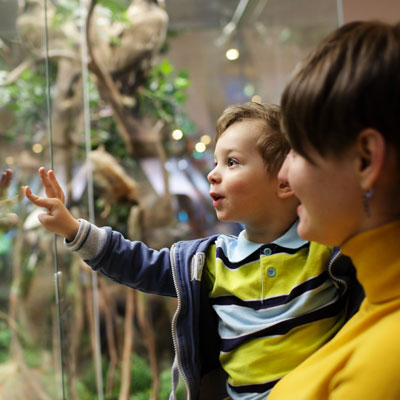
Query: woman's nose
x=283 y=172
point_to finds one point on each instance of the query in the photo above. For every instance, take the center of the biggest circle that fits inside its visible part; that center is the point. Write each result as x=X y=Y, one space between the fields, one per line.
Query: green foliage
x=140 y=375
x=141 y=381
x=164 y=94
x=117 y=9
x=26 y=97
x=165 y=386
x=66 y=10
x=31 y=353
x=5 y=243
x=5 y=340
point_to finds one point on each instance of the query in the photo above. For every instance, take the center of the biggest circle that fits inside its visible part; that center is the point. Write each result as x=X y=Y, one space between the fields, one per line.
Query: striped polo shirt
x=276 y=305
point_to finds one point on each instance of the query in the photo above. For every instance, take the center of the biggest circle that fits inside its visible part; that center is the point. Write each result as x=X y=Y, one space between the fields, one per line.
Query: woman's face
x=331 y=209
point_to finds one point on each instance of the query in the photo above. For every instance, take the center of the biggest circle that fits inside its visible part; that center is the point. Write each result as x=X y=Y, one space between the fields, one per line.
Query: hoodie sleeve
x=130 y=263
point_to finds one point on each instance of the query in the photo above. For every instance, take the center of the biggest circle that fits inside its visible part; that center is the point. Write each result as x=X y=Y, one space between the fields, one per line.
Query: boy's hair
x=350 y=82
x=272 y=144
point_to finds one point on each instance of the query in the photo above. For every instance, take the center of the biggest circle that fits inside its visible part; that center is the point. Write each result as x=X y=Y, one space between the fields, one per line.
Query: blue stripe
x=285 y=326
x=255 y=388
x=85 y=238
x=255 y=256
x=297 y=291
x=241 y=321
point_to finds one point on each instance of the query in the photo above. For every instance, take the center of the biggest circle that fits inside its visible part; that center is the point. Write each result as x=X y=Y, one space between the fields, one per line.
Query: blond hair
x=272 y=144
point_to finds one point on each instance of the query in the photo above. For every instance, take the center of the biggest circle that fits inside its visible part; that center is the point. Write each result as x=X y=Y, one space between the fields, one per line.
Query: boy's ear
x=371 y=149
x=284 y=191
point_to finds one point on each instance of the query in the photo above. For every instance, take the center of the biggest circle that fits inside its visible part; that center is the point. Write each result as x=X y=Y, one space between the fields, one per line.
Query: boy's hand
x=57 y=219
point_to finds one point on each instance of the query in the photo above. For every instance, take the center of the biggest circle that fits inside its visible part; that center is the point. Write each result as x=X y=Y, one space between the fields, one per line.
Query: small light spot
x=232 y=54
x=206 y=139
x=37 y=148
x=200 y=147
x=177 y=134
x=256 y=99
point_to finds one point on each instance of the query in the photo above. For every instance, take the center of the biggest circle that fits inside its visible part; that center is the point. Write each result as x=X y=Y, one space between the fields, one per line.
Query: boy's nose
x=213 y=177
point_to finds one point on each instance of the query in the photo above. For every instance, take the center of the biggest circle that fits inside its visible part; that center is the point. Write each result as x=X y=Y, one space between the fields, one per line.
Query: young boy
x=257 y=304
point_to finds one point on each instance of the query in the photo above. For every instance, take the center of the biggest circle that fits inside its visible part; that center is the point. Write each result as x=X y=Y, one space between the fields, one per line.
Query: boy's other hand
x=57 y=219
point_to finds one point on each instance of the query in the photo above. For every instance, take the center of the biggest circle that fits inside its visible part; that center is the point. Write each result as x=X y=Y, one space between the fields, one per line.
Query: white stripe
x=236 y=321
x=247 y=396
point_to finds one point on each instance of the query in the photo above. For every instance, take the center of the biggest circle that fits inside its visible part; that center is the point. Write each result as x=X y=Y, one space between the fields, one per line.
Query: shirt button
x=267 y=251
x=271 y=272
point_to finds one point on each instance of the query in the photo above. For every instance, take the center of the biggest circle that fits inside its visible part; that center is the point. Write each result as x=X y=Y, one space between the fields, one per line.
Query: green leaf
x=165 y=67
x=118 y=10
x=181 y=82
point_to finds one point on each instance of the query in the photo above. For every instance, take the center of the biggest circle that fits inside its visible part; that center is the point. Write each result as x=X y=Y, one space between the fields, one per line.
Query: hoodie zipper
x=335 y=279
x=174 y=321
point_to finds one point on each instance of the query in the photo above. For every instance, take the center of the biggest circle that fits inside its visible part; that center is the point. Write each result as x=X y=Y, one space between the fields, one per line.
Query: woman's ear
x=284 y=190
x=371 y=149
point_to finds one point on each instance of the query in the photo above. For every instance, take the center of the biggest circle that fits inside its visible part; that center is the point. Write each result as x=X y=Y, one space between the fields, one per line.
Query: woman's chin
x=304 y=231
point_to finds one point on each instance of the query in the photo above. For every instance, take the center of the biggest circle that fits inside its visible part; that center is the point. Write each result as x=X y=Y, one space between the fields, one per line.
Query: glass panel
x=31 y=357
x=48 y=327
x=120 y=124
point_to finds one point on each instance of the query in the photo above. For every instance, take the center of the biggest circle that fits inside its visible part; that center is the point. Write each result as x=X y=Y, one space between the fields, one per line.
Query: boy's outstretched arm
x=57 y=219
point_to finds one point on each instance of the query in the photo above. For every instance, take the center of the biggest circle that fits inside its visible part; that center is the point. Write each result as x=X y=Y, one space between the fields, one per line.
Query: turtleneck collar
x=376 y=257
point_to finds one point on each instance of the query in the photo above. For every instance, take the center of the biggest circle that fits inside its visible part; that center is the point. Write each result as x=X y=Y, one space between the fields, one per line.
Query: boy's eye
x=232 y=161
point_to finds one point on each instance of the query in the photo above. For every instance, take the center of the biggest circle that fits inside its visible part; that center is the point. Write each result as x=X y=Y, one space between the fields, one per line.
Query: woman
x=341 y=113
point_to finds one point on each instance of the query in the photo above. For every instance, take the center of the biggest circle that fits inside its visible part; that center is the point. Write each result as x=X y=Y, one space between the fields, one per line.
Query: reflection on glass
x=128 y=134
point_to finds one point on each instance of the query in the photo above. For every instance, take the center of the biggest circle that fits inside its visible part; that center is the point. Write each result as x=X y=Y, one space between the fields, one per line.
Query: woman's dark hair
x=350 y=82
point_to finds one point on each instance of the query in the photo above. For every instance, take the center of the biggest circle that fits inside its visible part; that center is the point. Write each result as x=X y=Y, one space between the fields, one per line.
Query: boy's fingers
x=38 y=201
x=56 y=186
x=50 y=184
x=46 y=182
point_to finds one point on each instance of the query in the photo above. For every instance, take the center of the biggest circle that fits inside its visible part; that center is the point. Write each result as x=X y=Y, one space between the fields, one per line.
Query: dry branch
x=128 y=344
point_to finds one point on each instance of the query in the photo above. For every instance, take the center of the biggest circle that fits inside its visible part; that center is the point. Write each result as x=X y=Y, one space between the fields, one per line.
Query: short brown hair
x=350 y=82
x=272 y=144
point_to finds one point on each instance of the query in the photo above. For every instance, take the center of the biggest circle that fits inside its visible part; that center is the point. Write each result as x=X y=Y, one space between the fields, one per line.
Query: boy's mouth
x=217 y=199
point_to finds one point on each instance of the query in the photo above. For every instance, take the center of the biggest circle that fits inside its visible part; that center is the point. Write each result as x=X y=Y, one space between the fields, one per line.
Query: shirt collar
x=237 y=249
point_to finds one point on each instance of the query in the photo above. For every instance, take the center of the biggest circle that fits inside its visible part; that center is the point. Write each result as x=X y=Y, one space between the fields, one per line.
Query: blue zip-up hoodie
x=176 y=272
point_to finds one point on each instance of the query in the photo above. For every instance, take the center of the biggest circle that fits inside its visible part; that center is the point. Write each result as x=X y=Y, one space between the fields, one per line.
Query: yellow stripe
x=245 y=281
x=267 y=359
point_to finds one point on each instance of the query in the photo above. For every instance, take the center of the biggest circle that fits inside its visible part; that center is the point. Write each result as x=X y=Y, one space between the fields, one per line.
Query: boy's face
x=240 y=186
x=331 y=199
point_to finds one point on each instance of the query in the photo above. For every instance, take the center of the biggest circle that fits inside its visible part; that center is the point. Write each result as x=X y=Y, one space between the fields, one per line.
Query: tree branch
x=52 y=54
x=114 y=96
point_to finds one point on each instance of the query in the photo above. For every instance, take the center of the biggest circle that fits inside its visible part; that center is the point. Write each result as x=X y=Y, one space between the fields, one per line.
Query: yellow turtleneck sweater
x=362 y=362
